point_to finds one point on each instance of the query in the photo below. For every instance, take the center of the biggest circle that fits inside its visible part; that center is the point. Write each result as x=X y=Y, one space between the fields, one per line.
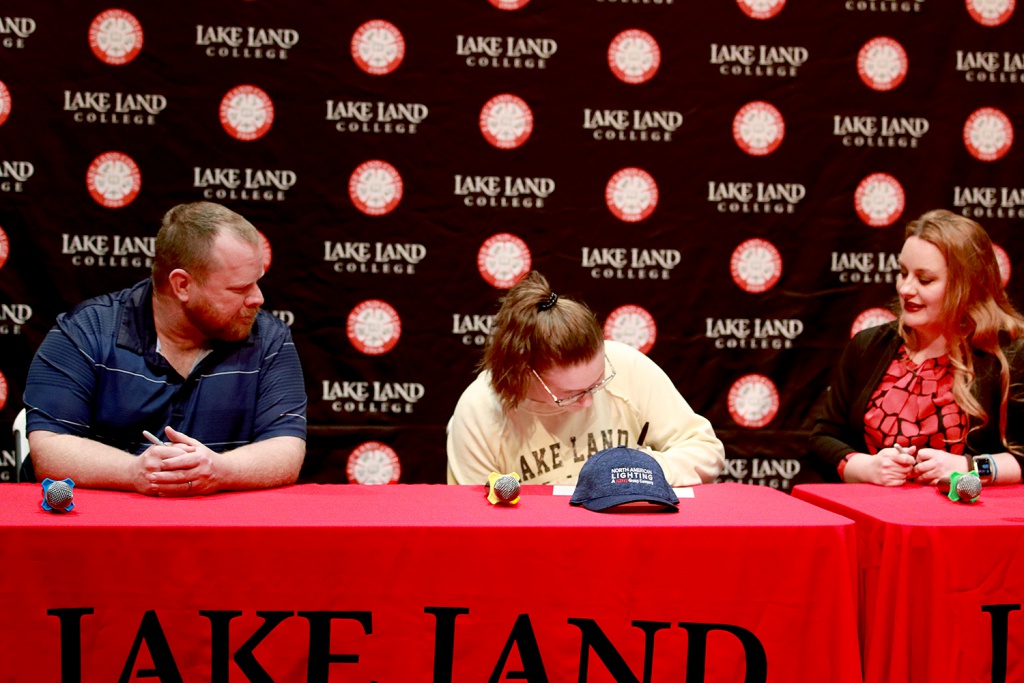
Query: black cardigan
x=839 y=424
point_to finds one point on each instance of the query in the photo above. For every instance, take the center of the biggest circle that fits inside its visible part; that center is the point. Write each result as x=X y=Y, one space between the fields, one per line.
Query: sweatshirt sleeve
x=474 y=435
x=683 y=442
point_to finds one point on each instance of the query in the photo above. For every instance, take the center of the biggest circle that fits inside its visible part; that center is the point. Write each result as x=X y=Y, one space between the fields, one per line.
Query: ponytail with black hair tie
x=549 y=303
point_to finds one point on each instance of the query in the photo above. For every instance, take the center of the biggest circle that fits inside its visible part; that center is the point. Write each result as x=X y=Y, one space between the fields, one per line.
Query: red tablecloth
x=424 y=583
x=940 y=580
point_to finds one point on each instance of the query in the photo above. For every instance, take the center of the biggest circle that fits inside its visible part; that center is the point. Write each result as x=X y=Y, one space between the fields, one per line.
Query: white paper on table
x=565 y=490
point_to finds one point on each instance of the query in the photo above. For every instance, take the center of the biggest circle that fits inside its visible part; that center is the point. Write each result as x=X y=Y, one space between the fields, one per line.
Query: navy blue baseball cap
x=617 y=476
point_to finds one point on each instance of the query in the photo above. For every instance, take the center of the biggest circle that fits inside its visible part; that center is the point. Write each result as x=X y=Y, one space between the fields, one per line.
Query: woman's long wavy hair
x=526 y=334
x=977 y=313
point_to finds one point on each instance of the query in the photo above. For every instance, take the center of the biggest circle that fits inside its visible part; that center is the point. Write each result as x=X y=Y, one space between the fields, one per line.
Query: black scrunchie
x=549 y=303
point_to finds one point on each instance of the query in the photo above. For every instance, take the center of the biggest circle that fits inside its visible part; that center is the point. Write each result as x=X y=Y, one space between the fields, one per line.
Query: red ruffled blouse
x=913 y=406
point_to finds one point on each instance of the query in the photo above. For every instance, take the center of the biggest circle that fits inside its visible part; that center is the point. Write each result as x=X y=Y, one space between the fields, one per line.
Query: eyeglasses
x=569 y=400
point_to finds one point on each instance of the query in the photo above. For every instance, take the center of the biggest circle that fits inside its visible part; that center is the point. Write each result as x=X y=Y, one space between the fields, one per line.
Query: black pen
x=643 y=434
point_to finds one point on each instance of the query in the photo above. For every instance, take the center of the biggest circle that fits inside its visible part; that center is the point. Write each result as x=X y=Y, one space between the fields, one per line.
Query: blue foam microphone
x=58 y=496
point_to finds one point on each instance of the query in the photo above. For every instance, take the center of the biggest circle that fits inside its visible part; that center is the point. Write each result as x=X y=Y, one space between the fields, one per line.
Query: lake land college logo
x=249 y=42
x=761 y=9
x=983 y=66
x=14 y=31
x=246 y=112
x=373 y=327
x=772 y=61
x=903 y=132
x=882 y=63
x=756 y=265
x=510 y=52
x=632 y=325
x=871 y=317
x=115 y=37
x=375 y=187
x=373 y=462
x=506 y=121
x=988 y=134
x=758 y=128
x=879 y=200
x=753 y=401
x=503 y=260
x=634 y=56
x=378 y=47
x=631 y=194
x=990 y=12
x=988 y=202
x=113 y=179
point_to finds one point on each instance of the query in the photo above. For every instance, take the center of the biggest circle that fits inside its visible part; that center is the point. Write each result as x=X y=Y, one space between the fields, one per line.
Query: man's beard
x=237 y=329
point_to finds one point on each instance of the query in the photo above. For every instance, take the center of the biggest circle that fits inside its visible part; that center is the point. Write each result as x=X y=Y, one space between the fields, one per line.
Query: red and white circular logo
x=634 y=56
x=988 y=134
x=756 y=265
x=5 y=247
x=268 y=253
x=115 y=36
x=753 y=401
x=378 y=47
x=1002 y=260
x=503 y=260
x=631 y=194
x=506 y=121
x=761 y=9
x=113 y=179
x=373 y=327
x=872 y=317
x=990 y=12
x=758 y=128
x=632 y=325
x=5 y=103
x=509 y=4
x=3 y=391
x=246 y=112
x=879 y=200
x=882 y=63
x=373 y=463
x=375 y=187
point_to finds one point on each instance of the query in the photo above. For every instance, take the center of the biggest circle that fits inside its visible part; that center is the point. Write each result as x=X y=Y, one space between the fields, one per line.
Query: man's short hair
x=186 y=237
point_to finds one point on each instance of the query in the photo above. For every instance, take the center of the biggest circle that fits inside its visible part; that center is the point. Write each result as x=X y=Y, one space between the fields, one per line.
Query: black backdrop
x=725 y=183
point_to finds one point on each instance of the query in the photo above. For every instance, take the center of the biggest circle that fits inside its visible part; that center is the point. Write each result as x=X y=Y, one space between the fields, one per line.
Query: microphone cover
x=964 y=488
x=968 y=487
x=506 y=487
x=503 y=488
x=58 y=496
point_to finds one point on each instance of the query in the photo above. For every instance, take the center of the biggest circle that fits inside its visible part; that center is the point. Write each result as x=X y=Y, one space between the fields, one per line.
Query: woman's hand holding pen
x=891 y=466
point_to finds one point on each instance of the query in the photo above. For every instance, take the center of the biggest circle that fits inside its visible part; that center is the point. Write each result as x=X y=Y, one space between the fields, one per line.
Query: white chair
x=20 y=444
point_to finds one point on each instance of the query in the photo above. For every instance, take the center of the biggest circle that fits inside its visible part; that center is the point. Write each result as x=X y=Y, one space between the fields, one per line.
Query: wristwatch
x=985 y=466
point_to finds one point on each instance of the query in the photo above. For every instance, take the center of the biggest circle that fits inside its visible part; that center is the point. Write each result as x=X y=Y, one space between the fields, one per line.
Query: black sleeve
x=838 y=427
x=1015 y=402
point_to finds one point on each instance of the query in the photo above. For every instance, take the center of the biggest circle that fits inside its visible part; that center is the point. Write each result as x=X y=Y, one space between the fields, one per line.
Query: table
x=942 y=582
x=425 y=584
